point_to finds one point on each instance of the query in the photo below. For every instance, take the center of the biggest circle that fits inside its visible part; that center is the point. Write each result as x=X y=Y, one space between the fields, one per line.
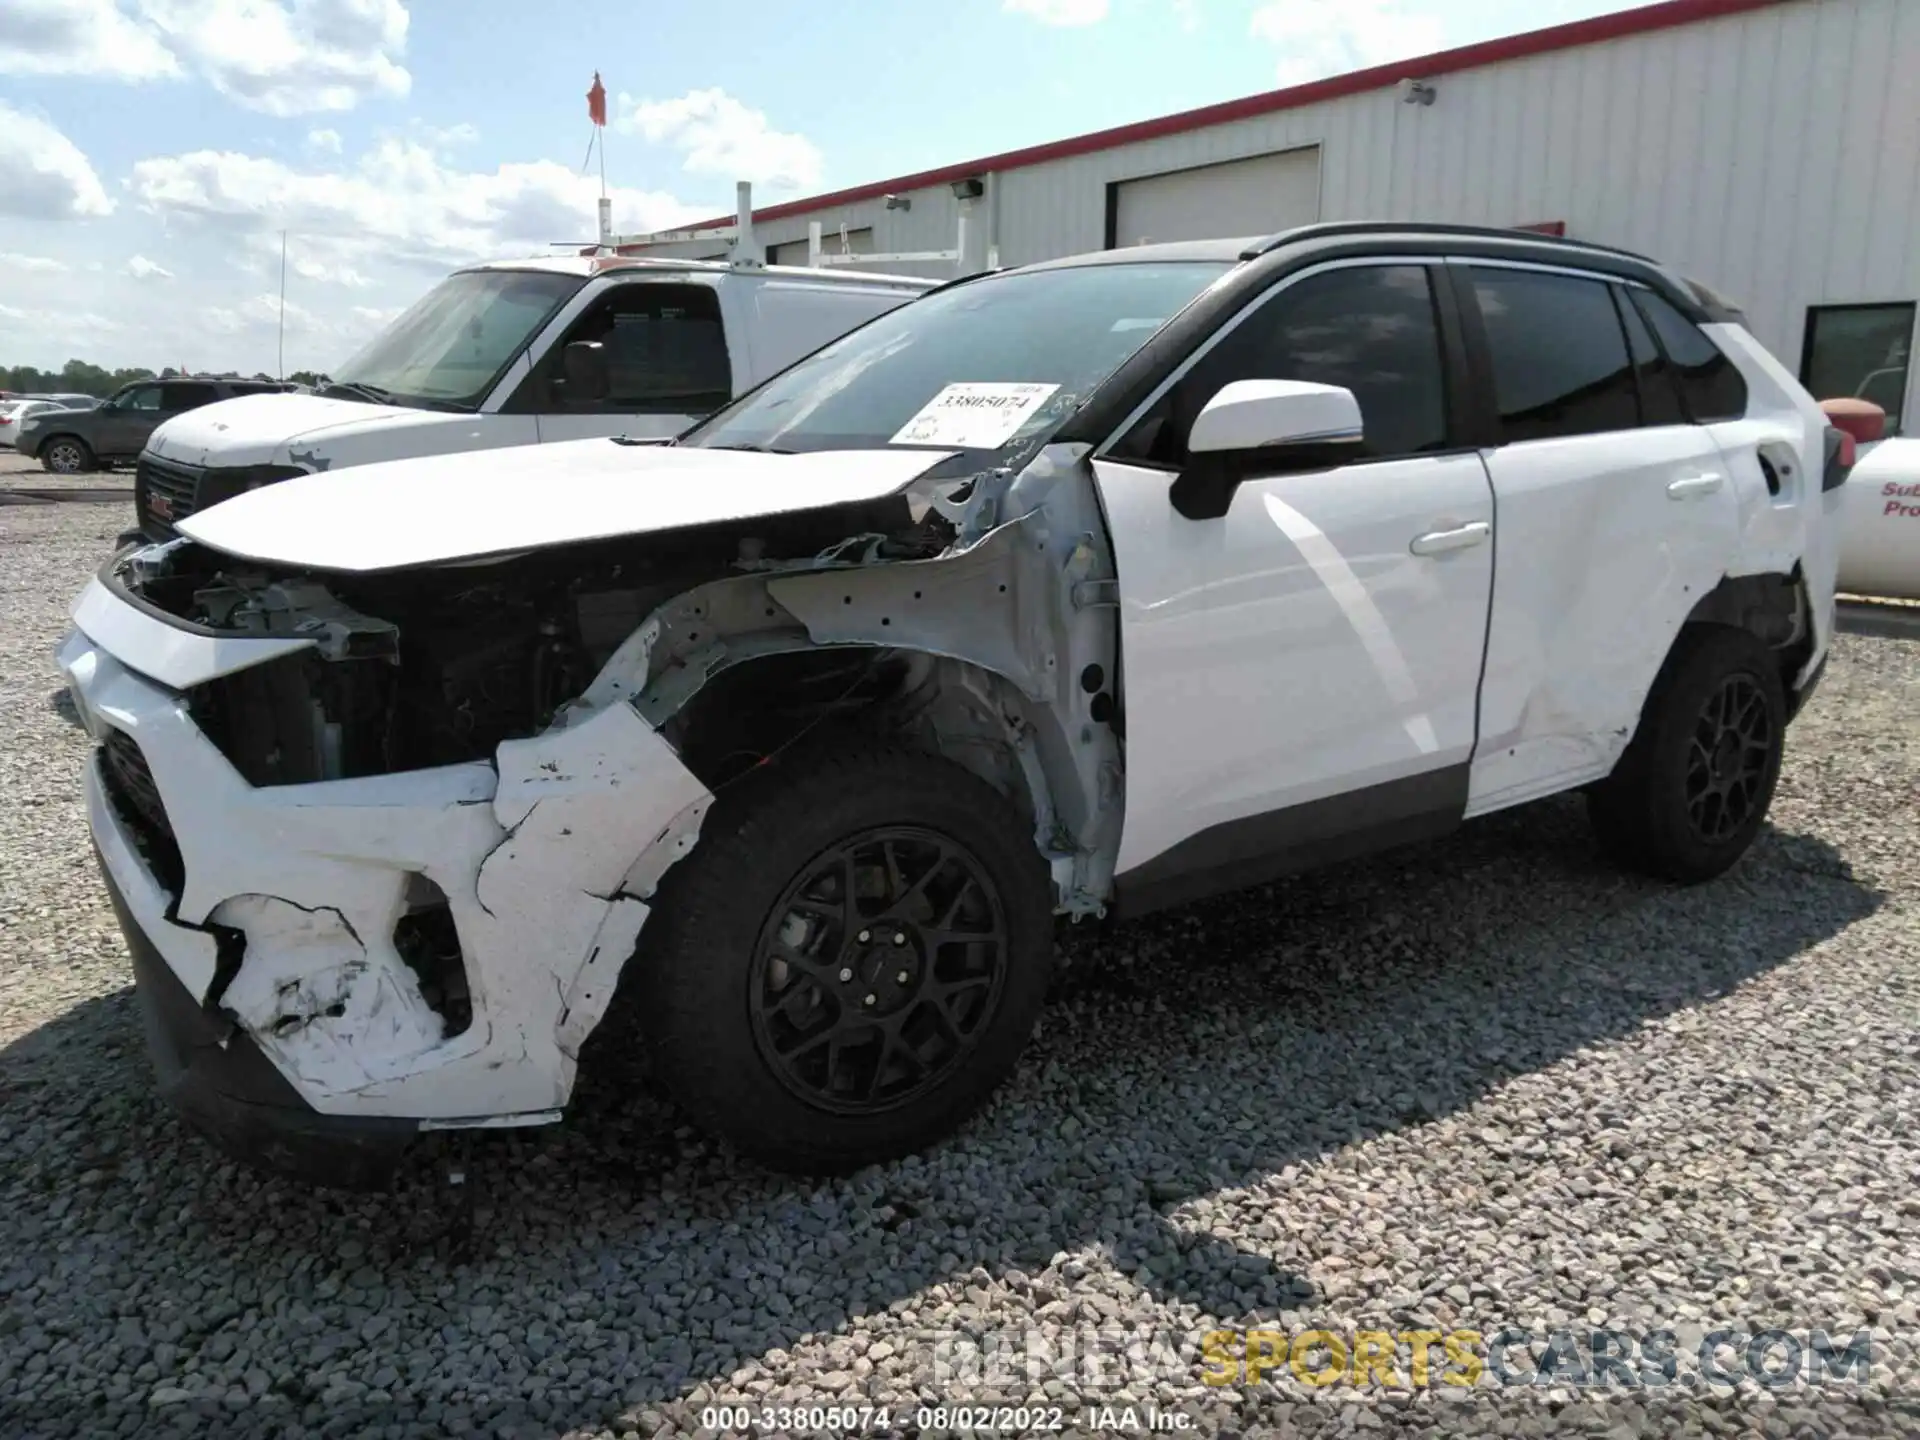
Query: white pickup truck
x=520 y=352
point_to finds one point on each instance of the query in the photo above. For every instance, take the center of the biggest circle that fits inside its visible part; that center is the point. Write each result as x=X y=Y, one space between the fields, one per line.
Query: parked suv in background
x=1095 y=586
x=71 y=442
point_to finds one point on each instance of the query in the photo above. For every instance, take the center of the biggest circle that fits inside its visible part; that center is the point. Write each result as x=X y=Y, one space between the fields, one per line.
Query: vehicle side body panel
x=1600 y=562
x=1297 y=647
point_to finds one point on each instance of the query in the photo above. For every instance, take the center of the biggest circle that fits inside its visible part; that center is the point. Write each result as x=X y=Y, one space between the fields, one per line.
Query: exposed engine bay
x=458 y=785
x=436 y=667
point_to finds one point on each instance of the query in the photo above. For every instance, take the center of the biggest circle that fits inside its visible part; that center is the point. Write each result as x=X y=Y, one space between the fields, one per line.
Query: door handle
x=1691 y=485
x=1438 y=542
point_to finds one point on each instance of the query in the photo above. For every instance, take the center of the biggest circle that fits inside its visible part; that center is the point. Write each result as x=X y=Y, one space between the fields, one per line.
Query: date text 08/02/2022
x=989 y=1419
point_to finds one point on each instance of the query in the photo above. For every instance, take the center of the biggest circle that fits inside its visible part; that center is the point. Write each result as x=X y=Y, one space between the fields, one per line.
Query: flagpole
x=597 y=112
x=283 y=305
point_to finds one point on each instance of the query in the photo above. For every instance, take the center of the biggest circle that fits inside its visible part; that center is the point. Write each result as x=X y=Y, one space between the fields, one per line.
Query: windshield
x=991 y=365
x=451 y=347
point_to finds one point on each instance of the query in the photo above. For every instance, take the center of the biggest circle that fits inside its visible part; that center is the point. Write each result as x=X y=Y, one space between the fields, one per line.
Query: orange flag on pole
x=597 y=101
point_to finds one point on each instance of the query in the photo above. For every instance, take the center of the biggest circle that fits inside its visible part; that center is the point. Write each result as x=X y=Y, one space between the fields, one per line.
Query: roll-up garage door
x=794 y=252
x=1256 y=196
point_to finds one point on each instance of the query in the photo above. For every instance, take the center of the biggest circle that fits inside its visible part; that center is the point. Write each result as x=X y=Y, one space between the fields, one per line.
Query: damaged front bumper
x=327 y=968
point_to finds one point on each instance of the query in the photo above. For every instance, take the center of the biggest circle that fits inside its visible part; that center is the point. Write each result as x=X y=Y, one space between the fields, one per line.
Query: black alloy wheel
x=877 y=970
x=1727 y=762
x=851 y=958
x=1693 y=788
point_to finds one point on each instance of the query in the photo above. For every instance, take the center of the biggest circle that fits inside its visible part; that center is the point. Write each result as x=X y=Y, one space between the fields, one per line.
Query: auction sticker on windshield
x=974 y=416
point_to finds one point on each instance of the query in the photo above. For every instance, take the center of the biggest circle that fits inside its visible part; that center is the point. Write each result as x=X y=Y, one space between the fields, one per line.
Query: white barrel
x=1880 y=522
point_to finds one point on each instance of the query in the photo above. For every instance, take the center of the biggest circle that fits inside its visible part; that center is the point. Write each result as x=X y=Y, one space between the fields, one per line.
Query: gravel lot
x=1485 y=1084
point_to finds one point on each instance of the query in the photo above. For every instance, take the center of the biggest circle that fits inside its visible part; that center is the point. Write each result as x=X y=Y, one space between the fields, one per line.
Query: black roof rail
x=1331 y=228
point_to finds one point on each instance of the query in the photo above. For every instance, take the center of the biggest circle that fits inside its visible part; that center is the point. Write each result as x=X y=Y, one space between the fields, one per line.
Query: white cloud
x=283 y=57
x=364 y=239
x=1317 y=38
x=1063 y=13
x=326 y=140
x=43 y=175
x=141 y=268
x=260 y=313
x=446 y=136
x=290 y=57
x=398 y=205
x=718 y=135
x=320 y=264
x=30 y=263
x=79 y=37
x=69 y=323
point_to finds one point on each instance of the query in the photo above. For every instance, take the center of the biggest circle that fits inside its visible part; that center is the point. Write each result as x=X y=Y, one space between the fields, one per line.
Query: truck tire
x=850 y=960
x=66 y=455
x=1692 y=790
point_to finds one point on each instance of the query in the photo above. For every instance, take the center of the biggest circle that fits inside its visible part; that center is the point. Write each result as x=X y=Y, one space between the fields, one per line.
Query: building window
x=1859 y=351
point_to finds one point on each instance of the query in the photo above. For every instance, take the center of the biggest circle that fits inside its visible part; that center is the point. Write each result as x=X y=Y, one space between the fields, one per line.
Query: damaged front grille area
x=413 y=669
x=429 y=943
x=300 y=719
x=136 y=800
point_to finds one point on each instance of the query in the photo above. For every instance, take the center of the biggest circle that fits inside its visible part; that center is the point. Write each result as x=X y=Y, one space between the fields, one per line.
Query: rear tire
x=821 y=1025
x=1693 y=788
x=65 y=455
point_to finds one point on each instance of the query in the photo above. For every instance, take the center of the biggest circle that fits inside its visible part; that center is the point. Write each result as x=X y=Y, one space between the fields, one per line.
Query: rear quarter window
x=1711 y=385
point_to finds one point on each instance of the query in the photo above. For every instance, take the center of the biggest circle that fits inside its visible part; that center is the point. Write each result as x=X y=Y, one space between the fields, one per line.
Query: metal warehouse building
x=1770 y=148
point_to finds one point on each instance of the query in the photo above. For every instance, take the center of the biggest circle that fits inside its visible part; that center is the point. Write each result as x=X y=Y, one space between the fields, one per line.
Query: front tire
x=1693 y=788
x=65 y=455
x=850 y=961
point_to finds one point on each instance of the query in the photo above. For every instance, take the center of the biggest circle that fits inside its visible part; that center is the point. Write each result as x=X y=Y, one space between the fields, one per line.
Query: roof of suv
x=1345 y=236
x=1252 y=247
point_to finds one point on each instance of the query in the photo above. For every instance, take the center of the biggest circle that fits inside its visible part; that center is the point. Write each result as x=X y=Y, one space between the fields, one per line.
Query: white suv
x=1088 y=587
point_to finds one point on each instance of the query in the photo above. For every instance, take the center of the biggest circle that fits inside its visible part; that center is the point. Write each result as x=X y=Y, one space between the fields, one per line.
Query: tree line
x=80 y=377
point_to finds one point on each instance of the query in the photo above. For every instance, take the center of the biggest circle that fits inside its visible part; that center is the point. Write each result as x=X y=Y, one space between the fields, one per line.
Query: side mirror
x=1254 y=427
x=1265 y=414
x=583 y=364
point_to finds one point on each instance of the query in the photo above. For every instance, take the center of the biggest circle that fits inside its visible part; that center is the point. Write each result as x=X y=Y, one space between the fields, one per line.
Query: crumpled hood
x=454 y=507
x=267 y=429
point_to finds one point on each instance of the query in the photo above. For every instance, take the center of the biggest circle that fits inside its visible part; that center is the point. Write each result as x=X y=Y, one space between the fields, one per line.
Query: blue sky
x=152 y=150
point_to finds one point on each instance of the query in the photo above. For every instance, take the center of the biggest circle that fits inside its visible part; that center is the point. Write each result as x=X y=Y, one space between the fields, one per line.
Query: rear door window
x=1560 y=361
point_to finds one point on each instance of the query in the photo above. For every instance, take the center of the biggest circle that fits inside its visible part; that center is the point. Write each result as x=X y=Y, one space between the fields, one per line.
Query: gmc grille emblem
x=161 y=507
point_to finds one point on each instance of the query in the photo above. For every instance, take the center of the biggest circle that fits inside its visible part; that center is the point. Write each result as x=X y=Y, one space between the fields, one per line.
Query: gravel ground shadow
x=1183 y=1057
